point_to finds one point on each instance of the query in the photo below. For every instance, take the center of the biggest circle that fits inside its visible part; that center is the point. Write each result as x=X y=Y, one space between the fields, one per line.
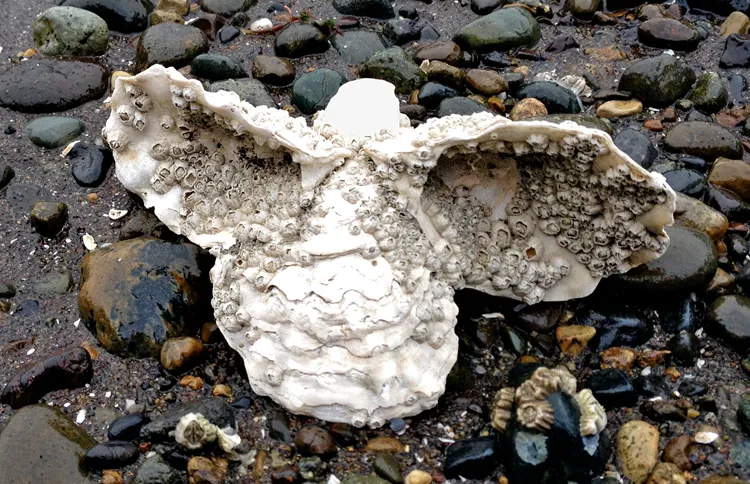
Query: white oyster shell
x=339 y=247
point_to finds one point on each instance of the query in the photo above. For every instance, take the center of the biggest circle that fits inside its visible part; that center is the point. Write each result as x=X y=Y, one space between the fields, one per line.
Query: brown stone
x=272 y=70
x=695 y=214
x=619 y=109
x=610 y=53
x=723 y=480
x=112 y=477
x=573 y=339
x=193 y=382
x=161 y=17
x=497 y=104
x=722 y=280
x=285 y=475
x=260 y=464
x=666 y=473
x=637 y=446
x=676 y=452
x=528 y=108
x=673 y=373
x=210 y=333
x=651 y=358
x=736 y=23
x=443 y=73
x=205 y=470
x=485 y=82
x=222 y=391
x=180 y=6
x=669 y=115
x=418 y=477
x=653 y=125
x=90 y=350
x=443 y=50
x=617 y=357
x=315 y=441
x=181 y=354
x=733 y=175
x=384 y=444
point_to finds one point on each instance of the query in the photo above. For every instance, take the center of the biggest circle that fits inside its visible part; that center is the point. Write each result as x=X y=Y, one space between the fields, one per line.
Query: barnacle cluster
x=530 y=406
x=337 y=256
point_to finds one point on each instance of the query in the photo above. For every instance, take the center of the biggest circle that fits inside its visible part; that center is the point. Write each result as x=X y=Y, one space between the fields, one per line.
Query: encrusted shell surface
x=502 y=407
x=593 y=415
x=537 y=415
x=339 y=247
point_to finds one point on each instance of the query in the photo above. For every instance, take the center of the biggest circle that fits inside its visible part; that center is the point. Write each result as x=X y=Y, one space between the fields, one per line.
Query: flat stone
x=312 y=91
x=387 y=466
x=612 y=388
x=56 y=283
x=443 y=50
x=127 y=427
x=432 y=94
x=356 y=46
x=401 y=31
x=138 y=293
x=736 y=52
x=503 y=29
x=688 y=182
x=48 y=218
x=556 y=98
x=53 y=131
x=124 y=16
x=55 y=441
x=250 y=90
x=637 y=446
x=619 y=109
x=216 y=67
x=300 y=39
x=171 y=45
x=49 y=85
x=226 y=8
x=573 y=339
x=442 y=73
x=729 y=318
x=111 y=455
x=379 y=9
x=395 y=66
x=667 y=33
x=732 y=175
x=273 y=71
x=70 y=31
x=315 y=441
x=728 y=203
x=657 y=81
x=703 y=139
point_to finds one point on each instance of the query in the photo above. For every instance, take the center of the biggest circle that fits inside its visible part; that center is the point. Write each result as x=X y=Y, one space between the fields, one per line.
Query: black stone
x=242 y=403
x=694 y=163
x=678 y=314
x=529 y=456
x=721 y=7
x=520 y=372
x=736 y=246
x=429 y=33
x=408 y=12
x=513 y=339
x=228 y=34
x=414 y=111
x=729 y=318
x=299 y=40
x=618 y=327
x=663 y=410
x=312 y=91
x=557 y=99
x=49 y=85
x=475 y=458
x=169 y=44
x=380 y=9
x=48 y=218
x=498 y=60
x=216 y=67
x=280 y=428
x=689 y=388
x=89 y=165
x=636 y=145
x=562 y=43
x=215 y=410
x=432 y=94
x=684 y=348
x=612 y=388
x=6 y=175
x=657 y=81
x=111 y=455
x=728 y=203
x=736 y=52
x=459 y=105
x=124 y=16
x=343 y=434
x=127 y=427
x=483 y=7
x=652 y=386
x=565 y=431
x=688 y=182
x=401 y=31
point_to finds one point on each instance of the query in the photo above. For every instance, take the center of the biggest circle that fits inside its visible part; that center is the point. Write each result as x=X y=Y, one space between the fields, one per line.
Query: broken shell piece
x=115 y=214
x=88 y=242
x=261 y=25
x=193 y=431
x=537 y=415
x=339 y=247
x=228 y=439
x=502 y=406
x=69 y=147
x=593 y=415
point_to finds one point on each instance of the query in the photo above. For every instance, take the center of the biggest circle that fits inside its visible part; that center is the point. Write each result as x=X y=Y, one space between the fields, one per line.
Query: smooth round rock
x=475 y=458
x=729 y=318
x=250 y=90
x=619 y=109
x=637 y=445
x=312 y=91
x=401 y=31
x=732 y=175
x=583 y=9
x=181 y=354
x=273 y=71
x=483 y=7
x=300 y=39
x=124 y=16
x=501 y=30
x=485 y=82
x=735 y=23
x=667 y=33
x=689 y=182
x=688 y=265
x=48 y=85
x=379 y=9
x=53 y=131
x=459 y=105
x=127 y=427
x=395 y=66
x=612 y=388
x=557 y=99
x=169 y=44
x=432 y=94
x=356 y=46
x=160 y=16
x=709 y=95
x=657 y=81
x=216 y=67
x=225 y=8
x=89 y=164
x=729 y=204
x=443 y=50
x=48 y=218
x=703 y=139
x=70 y=31
x=155 y=470
x=111 y=455
x=315 y=441
x=637 y=146
x=684 y=348
x=55 y=441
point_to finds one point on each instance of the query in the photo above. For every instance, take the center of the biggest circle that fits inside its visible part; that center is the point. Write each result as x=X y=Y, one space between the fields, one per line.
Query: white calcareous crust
x=339 y=247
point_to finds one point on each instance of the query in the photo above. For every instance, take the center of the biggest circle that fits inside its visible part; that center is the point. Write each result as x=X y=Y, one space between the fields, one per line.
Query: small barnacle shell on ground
x=537 y=415
x=88 y=242
x=352 y=235
x=116 y=214
x=502 y=406
x=193 y=431
x=593 y=415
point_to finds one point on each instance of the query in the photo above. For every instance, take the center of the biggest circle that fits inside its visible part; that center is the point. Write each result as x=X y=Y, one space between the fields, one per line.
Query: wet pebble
x=443 y=50
x=483 y=7
x=384 y=444
x=312 y=91
x=6 y=175
x=395 y=66
x=356 y=46
x=111 y=455
x=215 y=410
x=528 y=108
x=53 y=131
x=471 y=458
x=379 y=9
x=169 y=44
x=401 y=31
x=155 y=470
x=315 y=441
x=181 y=354
x=709 y=95
x=729 y=318
x=89 y=164
x=583 y=9
x=657 y=81
x=127 y=427
x=432 y=94
x=728 y=203
x=251 y=91
x=273 y=71
x=121 y=16
x=216 y=67
x=555 y=98
x=485 y=82
x=501 y=30
x=733 y=175
x=387 y=466
x=736 y=52
x=636 y=145
x=688 y=182
x=48 y=218
x=225 y=8
x=637 y=445
x=667 y=33
x=612 y=388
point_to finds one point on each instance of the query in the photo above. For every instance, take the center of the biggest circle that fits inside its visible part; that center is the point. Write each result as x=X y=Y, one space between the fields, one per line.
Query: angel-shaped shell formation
x=339 y=247
x=532 y=409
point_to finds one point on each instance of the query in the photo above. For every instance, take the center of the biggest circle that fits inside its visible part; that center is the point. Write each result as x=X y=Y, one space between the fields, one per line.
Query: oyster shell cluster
x=339 y=247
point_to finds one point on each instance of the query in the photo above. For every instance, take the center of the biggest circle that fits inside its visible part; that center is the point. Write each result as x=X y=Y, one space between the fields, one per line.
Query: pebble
x=401 y=31
x=54 y=440
x=225 y=8
x=733 y=175
x=180 y=6
x=583 y=9
x=356 y=46
x=665 y=473
x=408 y=12
x=443 y=50
x=443 y=73
x=315 y=441
x=556 y=98
x=222 y=391
x=459 y=105
x=395 y=66
x=485 y=82
x=676 y=452
x=728 y=203
x=743 y=413
x=273 y=71
x=111 y=455
x=207 y=470
x=181 y=354
x=48 y=218
x=89 y=164
x=251 y=91
x=483 y=7
x=50 y=85
x=361 y=479
x=612 y=388
x=475 y=458
x=637 y=146
x=299 y=40
x=688 y=182
x=343 y=434
x=709 y=95
x=418 y=476
x=216 y=67
x=573 y=339
x=739 y=454
x=6 y=175
x=160 y=17
x=124 y=16
x=663 y=411
x=169 y=44
x=157 y=287
x=729 y=318
x=155 y=470
x=703 y=139
x=735 y=23
x=56 y=283
x=501 y=30
x=619 y=109
x=736 y=52
x=657 y=81
x=70 y=31
x=193 y=382
x=312 y=91
x=387 y=466
x=617 y=357
x=228 y=34
x=378 y=9
x=53 y=131
x=384 y=444
x=697 y=215
x=112 y=477
x=637 y=445
x=667 y=33
x=127 y=427
x=432 y=94
x=67 y=368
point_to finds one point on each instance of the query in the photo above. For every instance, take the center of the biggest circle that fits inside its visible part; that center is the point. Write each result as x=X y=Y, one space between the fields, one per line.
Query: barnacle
x=339 y=247
x=193 y=431
x=537 y=415
x=593 y=416
x=502 y=406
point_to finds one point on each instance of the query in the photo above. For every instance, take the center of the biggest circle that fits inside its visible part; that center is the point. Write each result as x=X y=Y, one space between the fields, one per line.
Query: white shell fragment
x=88 y=242
x=261 y=25
x=115 y=214
x=339 y=247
